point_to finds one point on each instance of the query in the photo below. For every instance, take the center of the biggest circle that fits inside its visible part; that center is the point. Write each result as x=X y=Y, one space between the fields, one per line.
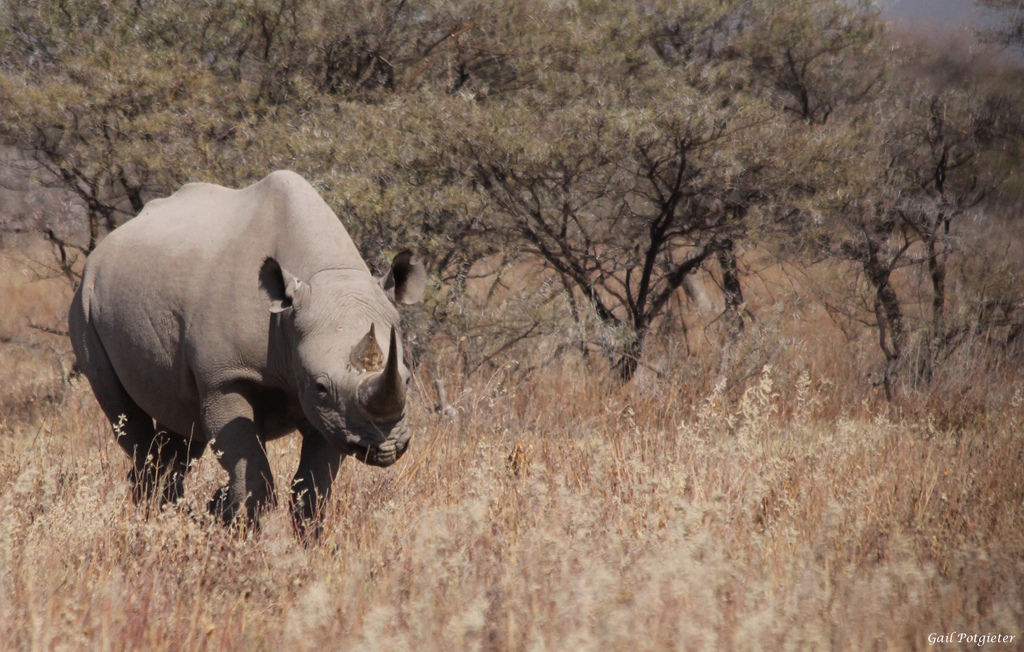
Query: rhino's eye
x=321 y=388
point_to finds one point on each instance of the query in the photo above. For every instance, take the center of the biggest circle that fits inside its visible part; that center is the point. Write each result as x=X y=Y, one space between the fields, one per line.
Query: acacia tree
x=941 y=151
x=99 y=117
x=948 y=175
x=621 y=218
x=644 y=162
x=810 y=54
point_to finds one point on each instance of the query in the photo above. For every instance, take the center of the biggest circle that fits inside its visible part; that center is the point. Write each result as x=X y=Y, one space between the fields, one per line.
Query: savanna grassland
x=556 y=510
x=725 y=297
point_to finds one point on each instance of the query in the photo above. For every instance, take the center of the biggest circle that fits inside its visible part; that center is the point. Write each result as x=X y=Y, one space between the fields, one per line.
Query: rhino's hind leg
x=133 y=427
x=134 y=432
x=318 y=465
x=171 y=455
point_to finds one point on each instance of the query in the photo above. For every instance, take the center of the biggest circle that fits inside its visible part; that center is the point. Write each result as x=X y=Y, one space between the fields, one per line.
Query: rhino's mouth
x=383 y=454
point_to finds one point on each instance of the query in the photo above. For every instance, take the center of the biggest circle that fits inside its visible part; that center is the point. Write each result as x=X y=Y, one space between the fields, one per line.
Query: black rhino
x=232 y=317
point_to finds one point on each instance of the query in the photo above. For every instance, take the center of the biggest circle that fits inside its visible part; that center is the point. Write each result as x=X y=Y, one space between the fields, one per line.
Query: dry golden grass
x=554 y=512
x=30 y=358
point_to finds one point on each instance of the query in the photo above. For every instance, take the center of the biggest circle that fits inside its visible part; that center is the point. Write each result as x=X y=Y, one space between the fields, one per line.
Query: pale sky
x=941 y=13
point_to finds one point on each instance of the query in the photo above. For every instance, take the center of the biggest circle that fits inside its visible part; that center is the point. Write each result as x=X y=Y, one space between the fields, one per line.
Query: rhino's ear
x=407 y=278
x=278 y=285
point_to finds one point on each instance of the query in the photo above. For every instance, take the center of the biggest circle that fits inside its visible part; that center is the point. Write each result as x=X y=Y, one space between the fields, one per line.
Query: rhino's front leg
x=318 y=465
x=238 y=445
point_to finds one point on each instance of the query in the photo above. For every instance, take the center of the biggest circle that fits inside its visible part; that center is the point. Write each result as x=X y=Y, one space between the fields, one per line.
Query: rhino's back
x=205 y=229
x=173 y=294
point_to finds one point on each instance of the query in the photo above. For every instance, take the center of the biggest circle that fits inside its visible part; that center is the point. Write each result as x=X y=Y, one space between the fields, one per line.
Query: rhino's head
x=342 y=333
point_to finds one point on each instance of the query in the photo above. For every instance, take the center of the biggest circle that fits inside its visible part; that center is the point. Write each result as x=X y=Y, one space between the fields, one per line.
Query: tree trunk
x=731 y=288
x=937 y=269
x=889 y=318
x=628 y=362
x=937 y=255
x=937 y=272
x=574 y=311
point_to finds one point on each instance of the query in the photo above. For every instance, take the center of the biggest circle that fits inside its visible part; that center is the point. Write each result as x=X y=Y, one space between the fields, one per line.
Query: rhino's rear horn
x=383 y=396
x=367 y=356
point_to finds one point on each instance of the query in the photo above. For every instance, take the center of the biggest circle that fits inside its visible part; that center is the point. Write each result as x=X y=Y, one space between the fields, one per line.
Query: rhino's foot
x=174 y=489
x=220 y=505
x=141 y=486
x=308 y=531
x=245 y=516
x=145 y=485
x=162 y=471
x=307 y=517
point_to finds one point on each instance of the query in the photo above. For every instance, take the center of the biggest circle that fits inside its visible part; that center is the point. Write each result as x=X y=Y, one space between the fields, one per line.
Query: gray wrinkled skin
x=227 y=318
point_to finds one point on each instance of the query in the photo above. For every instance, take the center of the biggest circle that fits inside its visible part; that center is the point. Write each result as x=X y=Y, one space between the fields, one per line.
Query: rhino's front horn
x=383 y=396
